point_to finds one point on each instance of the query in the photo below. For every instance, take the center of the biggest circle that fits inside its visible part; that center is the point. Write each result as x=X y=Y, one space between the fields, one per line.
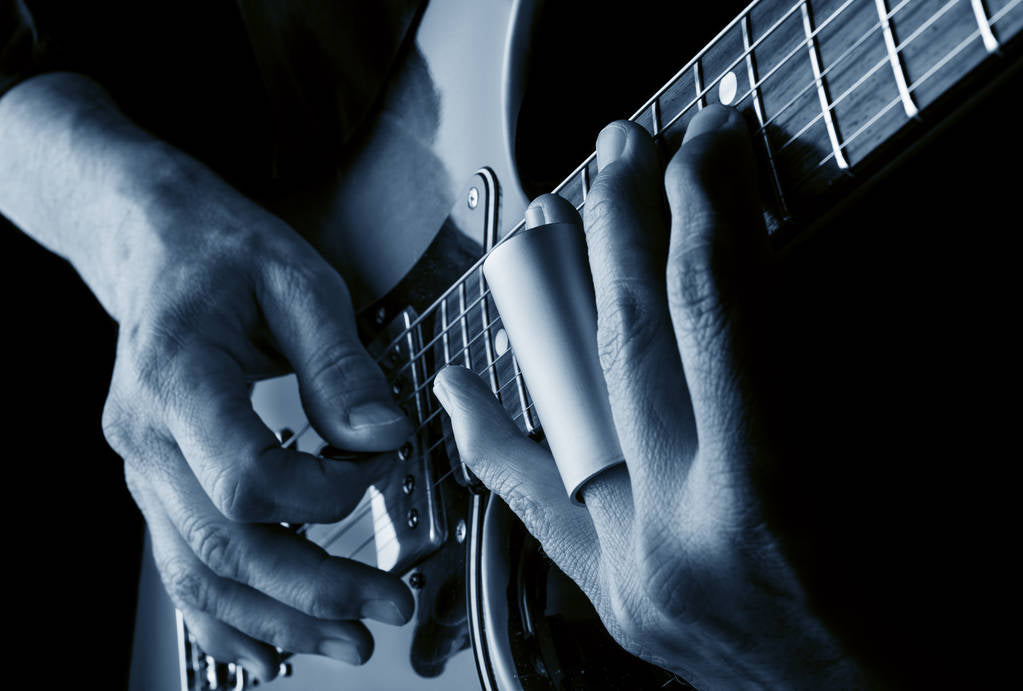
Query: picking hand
x=219 y=293
x=672 y=548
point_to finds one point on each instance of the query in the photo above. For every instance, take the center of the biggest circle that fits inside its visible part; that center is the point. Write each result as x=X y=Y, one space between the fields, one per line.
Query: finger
x=717 y=244
x=521 y=472
x=344 y=392
x=627 y=238
x=194 y=588
x=228 y=644
x=275 y=561
x=239 y=462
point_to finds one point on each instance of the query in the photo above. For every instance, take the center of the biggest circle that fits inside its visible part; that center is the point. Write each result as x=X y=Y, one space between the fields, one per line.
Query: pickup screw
x=381 y=315
x=396 y=388
x=404 y=452
x=417 y=580
x=474 y=198
x=460 y=531
x=412 y=518
x=408 y=484
x=395 y=353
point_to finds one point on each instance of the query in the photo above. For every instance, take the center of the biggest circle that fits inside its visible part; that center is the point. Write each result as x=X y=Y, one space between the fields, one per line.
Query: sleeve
x=21 y=46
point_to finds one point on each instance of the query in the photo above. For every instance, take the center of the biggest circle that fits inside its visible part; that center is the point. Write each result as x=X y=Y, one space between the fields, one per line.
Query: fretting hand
x=672 y=548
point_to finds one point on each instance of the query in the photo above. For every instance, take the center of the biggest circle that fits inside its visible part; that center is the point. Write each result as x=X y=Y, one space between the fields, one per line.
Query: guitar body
x=437 y=173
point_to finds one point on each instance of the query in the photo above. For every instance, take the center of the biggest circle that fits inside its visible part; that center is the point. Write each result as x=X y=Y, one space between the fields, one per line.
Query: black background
x=897 y=361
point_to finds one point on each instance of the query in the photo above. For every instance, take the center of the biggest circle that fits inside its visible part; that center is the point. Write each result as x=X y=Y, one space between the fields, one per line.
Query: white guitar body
x=411 y=169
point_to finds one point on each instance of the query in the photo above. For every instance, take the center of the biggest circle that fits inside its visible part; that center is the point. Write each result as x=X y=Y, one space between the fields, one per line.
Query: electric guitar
x=834 y=92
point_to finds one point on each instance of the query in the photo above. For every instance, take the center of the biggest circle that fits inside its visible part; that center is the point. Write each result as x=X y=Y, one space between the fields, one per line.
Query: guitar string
x=834 y=63
x=444 y=438
x=882 y=63
x=364 y=506
x=976 y=34
x=463 y=315
x=457 y=319
x=465 y=276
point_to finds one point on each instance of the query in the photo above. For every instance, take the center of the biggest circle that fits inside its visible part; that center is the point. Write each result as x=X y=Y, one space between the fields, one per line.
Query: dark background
x=896 y=362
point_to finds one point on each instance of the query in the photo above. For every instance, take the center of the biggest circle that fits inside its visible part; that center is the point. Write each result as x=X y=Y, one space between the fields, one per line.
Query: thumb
x=521 y=472
x=344 y=392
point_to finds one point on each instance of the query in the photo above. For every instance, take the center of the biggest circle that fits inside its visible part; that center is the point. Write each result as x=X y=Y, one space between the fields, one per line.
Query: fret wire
x=464 y=322
x=898 y=70
x=713 y=42
x=583 y=166
x=655 y=118
x=460 y=351
x=698 y=79
x=875 y=68
x=520 y=387
x=445 y=327
x=488 y=342
x=841 y=58
x=984 y=25
x=802 y=45
x=444 y=333
x=519 y=226
x=822 y=93
x=751 y=77
x=585 y=182
x=415 y=370
x=927 y=75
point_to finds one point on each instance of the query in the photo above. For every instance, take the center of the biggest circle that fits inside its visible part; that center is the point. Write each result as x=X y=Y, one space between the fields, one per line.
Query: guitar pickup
x=399 y=521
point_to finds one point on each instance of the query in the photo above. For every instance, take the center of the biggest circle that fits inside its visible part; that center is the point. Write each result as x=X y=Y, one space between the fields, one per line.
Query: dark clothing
x=259 y=90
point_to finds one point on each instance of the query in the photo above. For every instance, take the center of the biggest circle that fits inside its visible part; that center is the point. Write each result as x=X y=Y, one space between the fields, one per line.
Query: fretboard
x=824 y=85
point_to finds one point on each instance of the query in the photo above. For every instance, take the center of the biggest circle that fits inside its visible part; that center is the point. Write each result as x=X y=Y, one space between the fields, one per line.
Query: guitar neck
x=826 y=85
x=831 y=89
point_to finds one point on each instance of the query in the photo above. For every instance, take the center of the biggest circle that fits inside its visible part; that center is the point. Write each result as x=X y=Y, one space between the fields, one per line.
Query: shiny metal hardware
x=540 y=280
x=401 y=515
x=473 y=199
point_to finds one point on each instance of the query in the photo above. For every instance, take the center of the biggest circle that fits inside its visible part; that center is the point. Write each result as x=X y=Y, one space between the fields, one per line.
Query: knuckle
x=117 y=427
x=335 y=359
x=694 y=293
x=657 y=568
x=604 y=206
x=212 y=543
x=626 y=328
x=185 y=585
x=234 y=493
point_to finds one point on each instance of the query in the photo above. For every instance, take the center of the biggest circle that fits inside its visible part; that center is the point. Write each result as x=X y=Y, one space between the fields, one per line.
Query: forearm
x=81 y=179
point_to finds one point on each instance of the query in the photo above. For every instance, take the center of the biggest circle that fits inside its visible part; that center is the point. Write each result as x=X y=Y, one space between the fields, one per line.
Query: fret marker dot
x=727 y=88
x=501 y=342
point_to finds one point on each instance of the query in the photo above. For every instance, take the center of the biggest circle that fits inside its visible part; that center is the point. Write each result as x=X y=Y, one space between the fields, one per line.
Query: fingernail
x=711 y=118
x=340 y=650
x=440 y=392
x=374 y=414
x=534 y=216
x=383 y=610
x=610 y=145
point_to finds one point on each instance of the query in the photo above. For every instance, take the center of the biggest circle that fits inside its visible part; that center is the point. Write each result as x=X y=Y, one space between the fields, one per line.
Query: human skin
x=673 y=548
x=211 y=293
